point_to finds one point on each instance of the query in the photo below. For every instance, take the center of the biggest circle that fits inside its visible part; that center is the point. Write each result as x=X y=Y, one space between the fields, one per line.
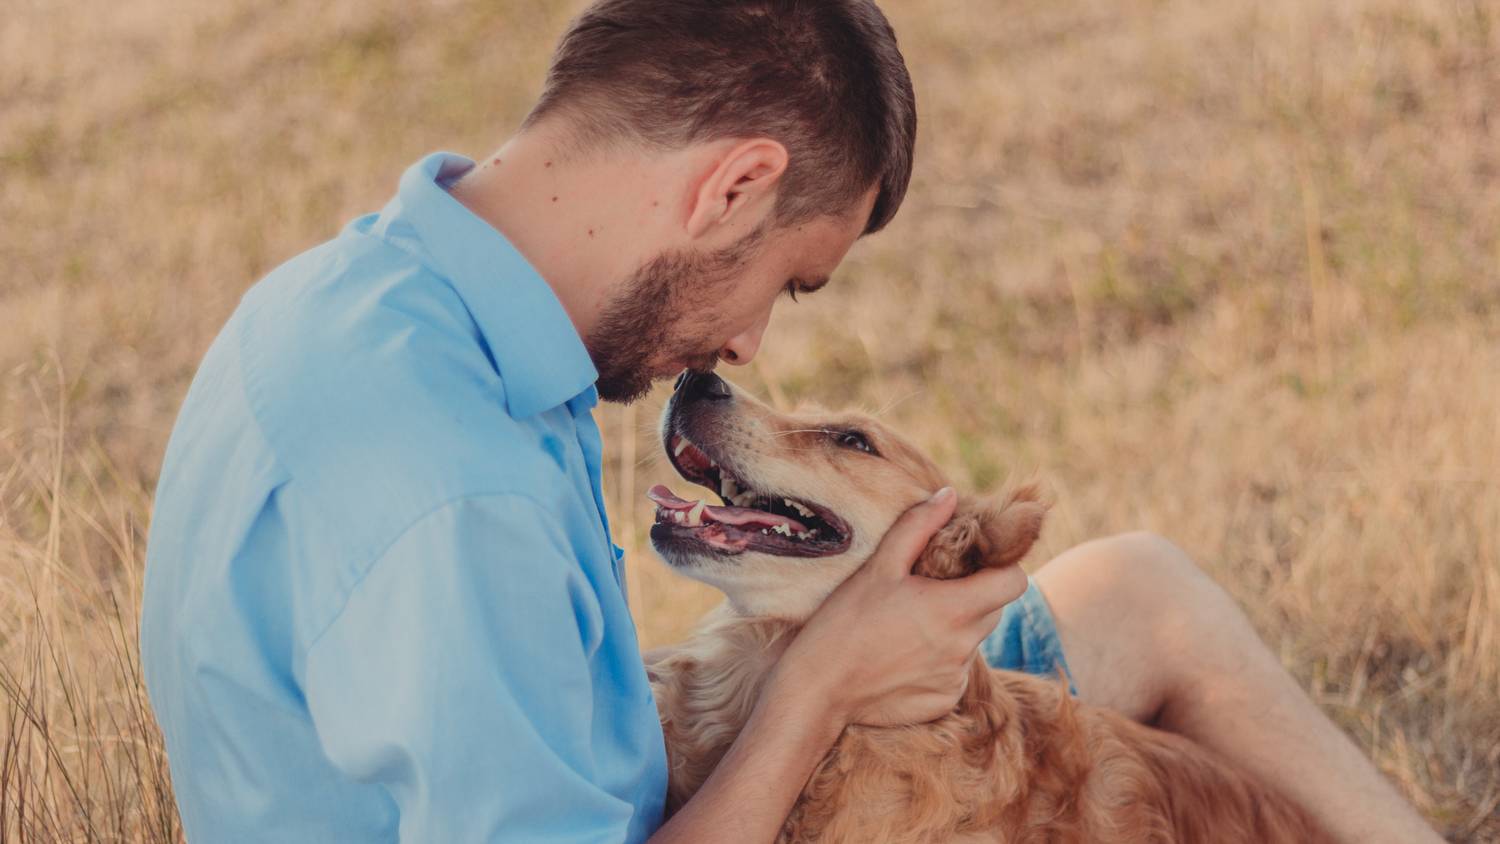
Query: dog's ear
x=984 y=534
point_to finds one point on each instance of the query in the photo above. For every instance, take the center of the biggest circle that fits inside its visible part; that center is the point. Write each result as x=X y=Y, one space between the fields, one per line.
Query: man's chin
x=628 y=386
x=620 y=392
x=631 y=387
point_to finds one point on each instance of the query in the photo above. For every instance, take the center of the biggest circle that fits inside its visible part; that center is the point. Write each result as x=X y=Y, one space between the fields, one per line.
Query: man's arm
x=457 y=678
x=751 y=792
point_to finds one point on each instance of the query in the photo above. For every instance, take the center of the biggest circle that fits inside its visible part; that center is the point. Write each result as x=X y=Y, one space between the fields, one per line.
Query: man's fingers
x=908 y=536
x=983 y=593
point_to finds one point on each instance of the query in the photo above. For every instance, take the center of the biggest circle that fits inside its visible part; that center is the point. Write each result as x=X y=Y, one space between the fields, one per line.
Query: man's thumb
x=904 y=542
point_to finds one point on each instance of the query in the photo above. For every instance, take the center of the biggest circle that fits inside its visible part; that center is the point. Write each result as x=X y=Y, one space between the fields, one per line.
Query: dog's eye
x=853 y=439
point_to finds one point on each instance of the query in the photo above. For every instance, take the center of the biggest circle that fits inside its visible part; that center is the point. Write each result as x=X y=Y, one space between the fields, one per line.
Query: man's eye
x=855 y=440
x=791 y=290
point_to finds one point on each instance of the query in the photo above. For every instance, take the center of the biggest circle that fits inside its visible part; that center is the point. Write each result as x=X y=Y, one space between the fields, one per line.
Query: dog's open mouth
x=750 y=520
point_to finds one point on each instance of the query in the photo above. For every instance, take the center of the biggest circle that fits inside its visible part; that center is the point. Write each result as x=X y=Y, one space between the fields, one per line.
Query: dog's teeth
x=695 y=515
x=783 y=530
x=764 y=531
x=677 y=516
x=682 y=444
x=798 y=507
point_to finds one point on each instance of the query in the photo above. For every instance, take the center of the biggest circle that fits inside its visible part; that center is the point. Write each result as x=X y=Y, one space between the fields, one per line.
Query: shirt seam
x=251 y=410
x=376 y=558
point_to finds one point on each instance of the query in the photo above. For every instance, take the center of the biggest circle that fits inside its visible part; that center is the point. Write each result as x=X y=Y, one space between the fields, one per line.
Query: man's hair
x=822 y=77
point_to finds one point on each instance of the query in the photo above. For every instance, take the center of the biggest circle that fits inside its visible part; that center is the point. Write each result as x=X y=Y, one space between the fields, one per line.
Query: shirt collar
x=537 y=351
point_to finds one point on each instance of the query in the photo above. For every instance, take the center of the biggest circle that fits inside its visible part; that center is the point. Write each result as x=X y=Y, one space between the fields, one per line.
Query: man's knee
x=1203 y=637
x=1168 y=590
x=1143 y=573
x=1180 y=627
x=1122 y=605
x=1142 y=554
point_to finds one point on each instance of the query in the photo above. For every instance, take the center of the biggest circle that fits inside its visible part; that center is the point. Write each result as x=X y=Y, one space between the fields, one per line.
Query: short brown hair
x=822 y=77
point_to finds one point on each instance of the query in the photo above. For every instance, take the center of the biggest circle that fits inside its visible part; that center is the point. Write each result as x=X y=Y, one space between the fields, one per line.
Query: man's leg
x=1148 y=634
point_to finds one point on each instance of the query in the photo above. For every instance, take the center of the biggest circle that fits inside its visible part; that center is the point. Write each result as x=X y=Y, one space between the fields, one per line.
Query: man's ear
x=984 y=534
x=740 y=188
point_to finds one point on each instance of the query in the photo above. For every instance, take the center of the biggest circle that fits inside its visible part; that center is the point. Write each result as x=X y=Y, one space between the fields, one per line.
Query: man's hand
x=889 y=647
x=886 y=648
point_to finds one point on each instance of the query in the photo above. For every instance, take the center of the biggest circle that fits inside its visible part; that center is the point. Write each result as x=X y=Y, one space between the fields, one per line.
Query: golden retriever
x=806 y=499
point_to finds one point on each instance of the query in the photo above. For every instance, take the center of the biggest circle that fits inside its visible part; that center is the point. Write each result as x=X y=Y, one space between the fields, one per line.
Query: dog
x=805 y=500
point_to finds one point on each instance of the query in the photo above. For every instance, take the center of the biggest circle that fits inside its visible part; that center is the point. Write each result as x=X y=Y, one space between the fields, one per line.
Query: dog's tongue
x=666 y=500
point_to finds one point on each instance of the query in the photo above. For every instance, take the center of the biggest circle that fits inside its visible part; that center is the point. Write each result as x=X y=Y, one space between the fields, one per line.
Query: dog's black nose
x=693 y=385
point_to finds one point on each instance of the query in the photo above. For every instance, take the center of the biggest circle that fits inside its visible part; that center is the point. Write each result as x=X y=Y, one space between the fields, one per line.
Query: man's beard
x=643 y=325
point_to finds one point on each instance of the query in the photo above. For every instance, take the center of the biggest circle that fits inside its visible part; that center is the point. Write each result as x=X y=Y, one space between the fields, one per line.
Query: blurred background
x=1227 y=271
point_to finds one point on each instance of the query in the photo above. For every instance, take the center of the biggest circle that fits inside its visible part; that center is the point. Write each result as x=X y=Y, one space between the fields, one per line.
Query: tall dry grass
x=81 y=758
x=1226 y=271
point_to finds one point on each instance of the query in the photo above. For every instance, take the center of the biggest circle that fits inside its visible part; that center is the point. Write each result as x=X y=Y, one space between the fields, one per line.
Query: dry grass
x=1227 y=271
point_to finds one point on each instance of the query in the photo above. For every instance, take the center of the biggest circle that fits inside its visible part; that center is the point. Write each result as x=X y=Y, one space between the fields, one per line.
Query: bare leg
x=1146 y=633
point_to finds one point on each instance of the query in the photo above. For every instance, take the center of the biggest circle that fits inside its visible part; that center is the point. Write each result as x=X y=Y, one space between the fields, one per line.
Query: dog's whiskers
x=895 y=401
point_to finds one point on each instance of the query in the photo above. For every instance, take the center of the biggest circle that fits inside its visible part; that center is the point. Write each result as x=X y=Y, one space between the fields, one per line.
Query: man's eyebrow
x=812 y=286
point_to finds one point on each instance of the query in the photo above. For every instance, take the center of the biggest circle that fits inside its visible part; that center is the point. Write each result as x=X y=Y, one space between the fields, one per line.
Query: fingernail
x=941 y=495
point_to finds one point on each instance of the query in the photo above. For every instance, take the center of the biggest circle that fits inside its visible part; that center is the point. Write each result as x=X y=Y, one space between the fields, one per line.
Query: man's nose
x=742 y=348
x=693 y=385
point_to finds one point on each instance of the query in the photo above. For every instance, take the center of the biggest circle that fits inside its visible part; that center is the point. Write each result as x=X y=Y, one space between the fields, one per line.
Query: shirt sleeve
x=457 y=678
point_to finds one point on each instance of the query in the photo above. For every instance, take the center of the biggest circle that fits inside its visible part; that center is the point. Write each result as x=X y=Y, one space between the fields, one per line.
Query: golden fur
x=1018 y=759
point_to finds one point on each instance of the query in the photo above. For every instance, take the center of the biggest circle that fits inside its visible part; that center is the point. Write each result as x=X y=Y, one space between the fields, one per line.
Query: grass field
x=1226 y=271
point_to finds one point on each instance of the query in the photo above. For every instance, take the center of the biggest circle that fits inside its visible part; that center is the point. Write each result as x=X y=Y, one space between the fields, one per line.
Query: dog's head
x=805 y=501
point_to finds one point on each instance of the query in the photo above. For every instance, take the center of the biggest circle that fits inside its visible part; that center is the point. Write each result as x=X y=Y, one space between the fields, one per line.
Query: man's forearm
x=750 y=793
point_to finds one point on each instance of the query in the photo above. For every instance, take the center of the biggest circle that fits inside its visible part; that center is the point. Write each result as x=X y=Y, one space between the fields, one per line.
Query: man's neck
x=581 y=221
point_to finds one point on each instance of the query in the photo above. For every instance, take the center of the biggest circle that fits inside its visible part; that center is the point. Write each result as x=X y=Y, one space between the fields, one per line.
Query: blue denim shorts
x=1026 y=638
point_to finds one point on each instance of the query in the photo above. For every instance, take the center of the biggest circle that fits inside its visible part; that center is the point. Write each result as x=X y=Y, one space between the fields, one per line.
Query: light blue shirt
x=381 y=598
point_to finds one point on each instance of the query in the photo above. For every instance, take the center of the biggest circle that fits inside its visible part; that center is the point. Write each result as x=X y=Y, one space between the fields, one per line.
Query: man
x=382 y=602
